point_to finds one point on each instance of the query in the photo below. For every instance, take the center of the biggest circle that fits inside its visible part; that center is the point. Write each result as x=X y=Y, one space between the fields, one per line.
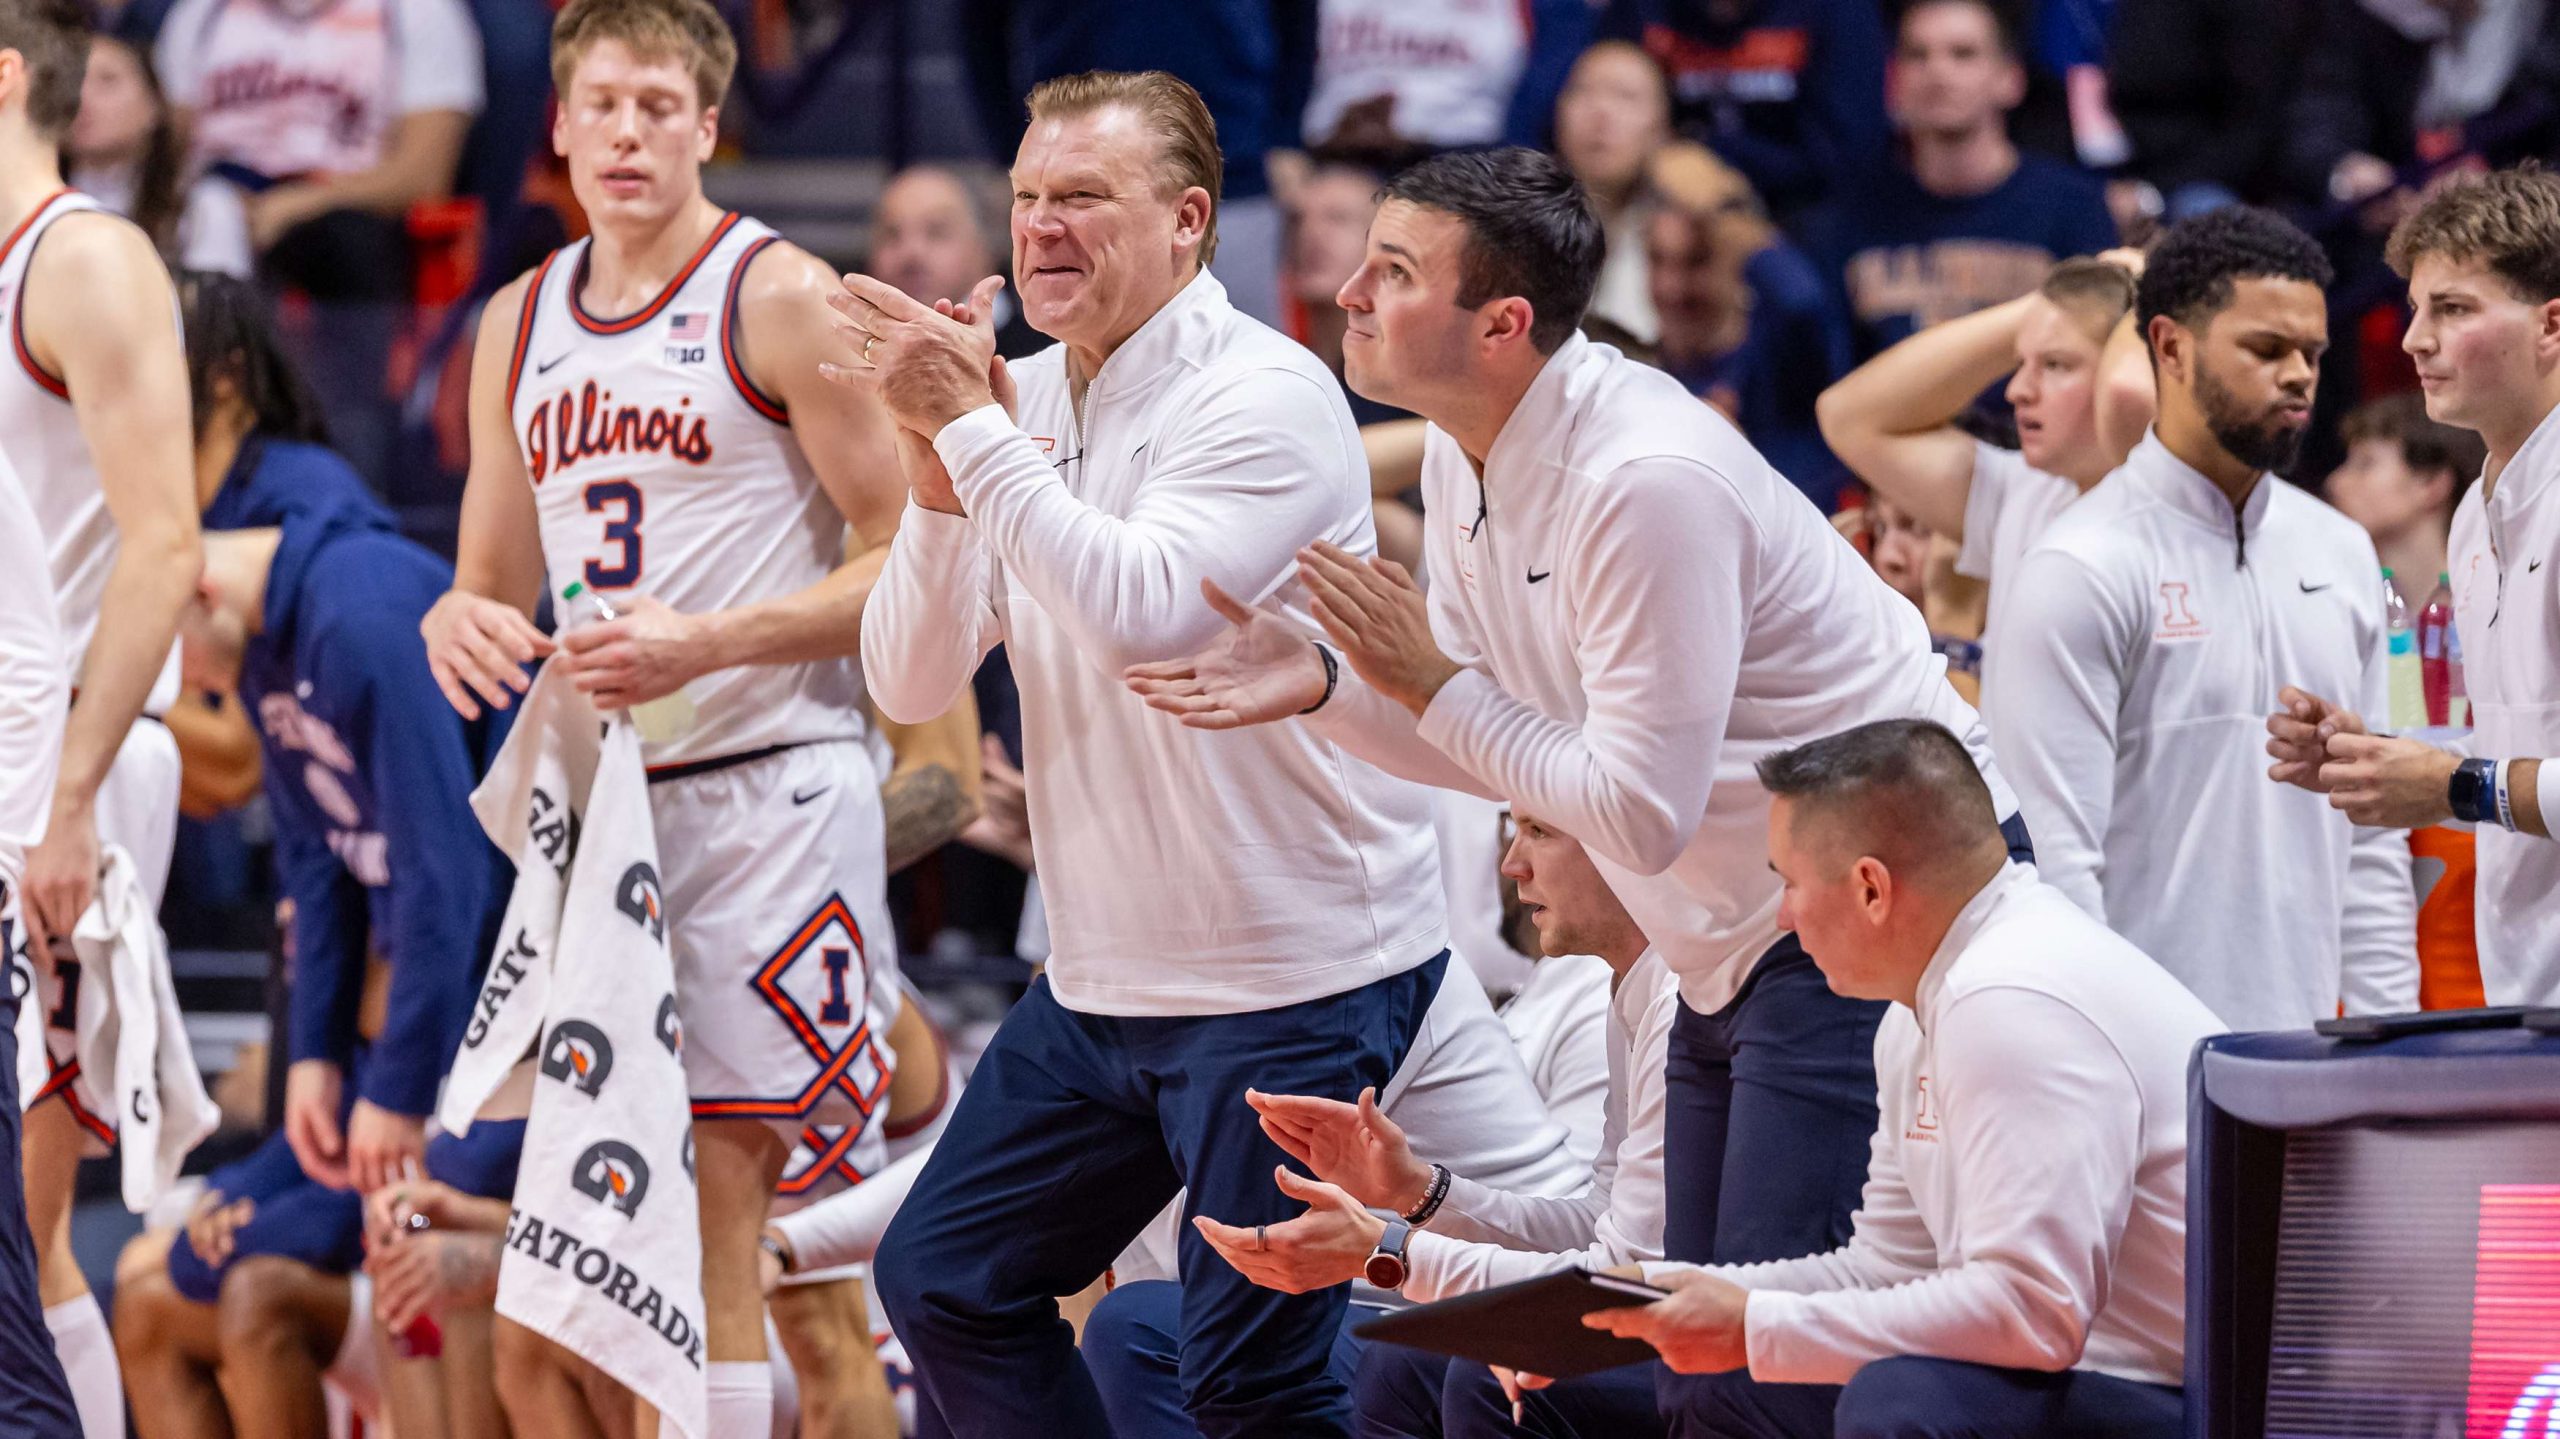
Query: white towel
x=130 y=1038
x=602 y=1250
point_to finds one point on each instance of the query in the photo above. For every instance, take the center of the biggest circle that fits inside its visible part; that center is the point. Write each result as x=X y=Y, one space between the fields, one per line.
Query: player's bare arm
x=932 y=792
x=481 y=635
x=785 y=333
x=1892 y=420
x=100 y=314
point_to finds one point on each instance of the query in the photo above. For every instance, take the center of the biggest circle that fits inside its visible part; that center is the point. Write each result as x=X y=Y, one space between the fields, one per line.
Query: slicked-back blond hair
x=2508 y=221
x=1171 y=111
x=686 y=30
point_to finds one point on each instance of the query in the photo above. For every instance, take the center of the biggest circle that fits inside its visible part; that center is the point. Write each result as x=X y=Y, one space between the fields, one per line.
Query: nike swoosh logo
x=1537 y=575
x=545 y=367
x=2309 y=588
x=798 y=798
x=2531 y=565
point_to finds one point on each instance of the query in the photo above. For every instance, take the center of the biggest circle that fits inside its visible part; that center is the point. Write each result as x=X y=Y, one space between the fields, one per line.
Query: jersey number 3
x=622 y=531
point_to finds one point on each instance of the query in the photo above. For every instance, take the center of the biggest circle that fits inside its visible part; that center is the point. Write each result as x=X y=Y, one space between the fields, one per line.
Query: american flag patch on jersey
x=691 y=325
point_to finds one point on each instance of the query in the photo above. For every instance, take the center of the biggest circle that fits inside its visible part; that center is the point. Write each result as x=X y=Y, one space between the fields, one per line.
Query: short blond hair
x=2508 y=220
x=686 y=30
x=1168 y=107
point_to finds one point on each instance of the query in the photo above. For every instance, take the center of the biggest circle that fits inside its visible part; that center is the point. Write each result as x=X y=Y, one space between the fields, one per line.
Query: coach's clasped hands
x=2378 y=780
x=928 y=365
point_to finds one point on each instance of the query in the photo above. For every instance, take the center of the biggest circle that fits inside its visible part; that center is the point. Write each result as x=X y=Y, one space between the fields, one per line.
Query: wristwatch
x=1385 y=1268
x=2472 y=794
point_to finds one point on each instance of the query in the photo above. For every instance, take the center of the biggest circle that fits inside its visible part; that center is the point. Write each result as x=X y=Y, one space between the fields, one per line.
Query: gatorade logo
x=637 y=896
x=612 y=1172
x=670 y=1029
x=578 y=1055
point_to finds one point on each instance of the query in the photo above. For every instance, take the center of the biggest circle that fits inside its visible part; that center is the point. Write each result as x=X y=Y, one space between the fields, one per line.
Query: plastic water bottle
x=661 y=720
x=2458 y=694
x=2408 y=685
x=2435 y=651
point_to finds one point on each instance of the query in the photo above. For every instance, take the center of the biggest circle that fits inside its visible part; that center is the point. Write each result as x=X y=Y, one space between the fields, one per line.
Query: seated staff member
x=2018 y=1262
x=1484 y=1234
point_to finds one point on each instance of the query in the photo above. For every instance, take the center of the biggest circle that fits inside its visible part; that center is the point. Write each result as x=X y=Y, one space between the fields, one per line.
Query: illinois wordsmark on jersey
x=659 y=468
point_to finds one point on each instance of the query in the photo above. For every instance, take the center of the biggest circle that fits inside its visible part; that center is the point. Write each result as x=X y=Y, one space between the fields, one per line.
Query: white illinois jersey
x=34 y=687
x=659 y=468
x=43 y=441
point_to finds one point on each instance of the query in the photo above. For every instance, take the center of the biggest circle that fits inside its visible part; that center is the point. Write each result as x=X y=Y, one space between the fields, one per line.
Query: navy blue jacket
x=1794 y=348
x=369 y=773
x=1789 y=92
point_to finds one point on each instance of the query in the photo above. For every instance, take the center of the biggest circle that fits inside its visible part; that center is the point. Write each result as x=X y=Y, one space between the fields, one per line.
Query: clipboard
x=1534 y=1325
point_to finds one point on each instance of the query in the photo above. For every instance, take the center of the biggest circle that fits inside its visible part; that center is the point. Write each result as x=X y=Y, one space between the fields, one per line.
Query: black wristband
x=1432 y=1194
x=1332 y=677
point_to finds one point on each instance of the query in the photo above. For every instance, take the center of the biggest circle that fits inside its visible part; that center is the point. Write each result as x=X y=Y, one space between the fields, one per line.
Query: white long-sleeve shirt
x=2026 y=1195
x=2005 y=513
x=1645 y=609
x=2151 y=635
x=2506 y=605
x=1488 y=1233
x=1559 y=1022
x=1186 y=872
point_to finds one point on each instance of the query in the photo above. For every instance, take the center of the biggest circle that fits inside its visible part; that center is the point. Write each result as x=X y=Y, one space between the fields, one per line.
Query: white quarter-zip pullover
x=2154 y=627
x=2026 y=1197
x=1645 y=609
x=1186 y=872
x=2506 y=603
x=1487 y=1233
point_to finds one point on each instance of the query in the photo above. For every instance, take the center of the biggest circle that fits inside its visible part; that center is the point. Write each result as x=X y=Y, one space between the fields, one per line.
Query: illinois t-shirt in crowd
x=284 y=89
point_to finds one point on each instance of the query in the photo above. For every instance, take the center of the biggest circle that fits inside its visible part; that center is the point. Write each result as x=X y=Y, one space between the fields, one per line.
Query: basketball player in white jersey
x=94 y=418
x=648 y=420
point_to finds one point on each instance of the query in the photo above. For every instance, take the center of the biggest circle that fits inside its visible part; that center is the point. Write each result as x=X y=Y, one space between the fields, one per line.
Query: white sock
x=88 y=1354
x=741 y=1398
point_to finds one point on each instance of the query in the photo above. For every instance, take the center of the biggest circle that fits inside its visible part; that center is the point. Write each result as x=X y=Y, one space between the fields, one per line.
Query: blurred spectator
x=2200 y=86
x=335 y=120
x=1614 y=114
x=1966 y=221
x=2071 y=42
x=2404 y=474
x=1251 y=61
x=2391 y=87
x=931 y=237
x=1746 y=320
x=1789 y=91
x=1920 y=565
x=125 y=150
x=1395 y=79
x=1328 y=236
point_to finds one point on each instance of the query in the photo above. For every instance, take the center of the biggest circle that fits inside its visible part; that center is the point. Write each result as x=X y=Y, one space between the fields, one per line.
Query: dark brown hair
x=53 y=37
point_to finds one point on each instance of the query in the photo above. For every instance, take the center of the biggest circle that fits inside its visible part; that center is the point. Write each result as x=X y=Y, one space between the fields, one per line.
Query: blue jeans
x=1924 y=1399
x=35 y=1400
x=1075 y=1130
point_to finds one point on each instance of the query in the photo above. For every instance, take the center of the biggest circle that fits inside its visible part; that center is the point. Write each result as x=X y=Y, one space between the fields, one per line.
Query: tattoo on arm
x=925 y=809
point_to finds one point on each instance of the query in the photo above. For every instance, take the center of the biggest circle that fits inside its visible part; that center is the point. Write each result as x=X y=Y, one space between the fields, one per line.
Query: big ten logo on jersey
x=819 y=983
x=329 y=777
x=687 y=333
x=584 y=423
